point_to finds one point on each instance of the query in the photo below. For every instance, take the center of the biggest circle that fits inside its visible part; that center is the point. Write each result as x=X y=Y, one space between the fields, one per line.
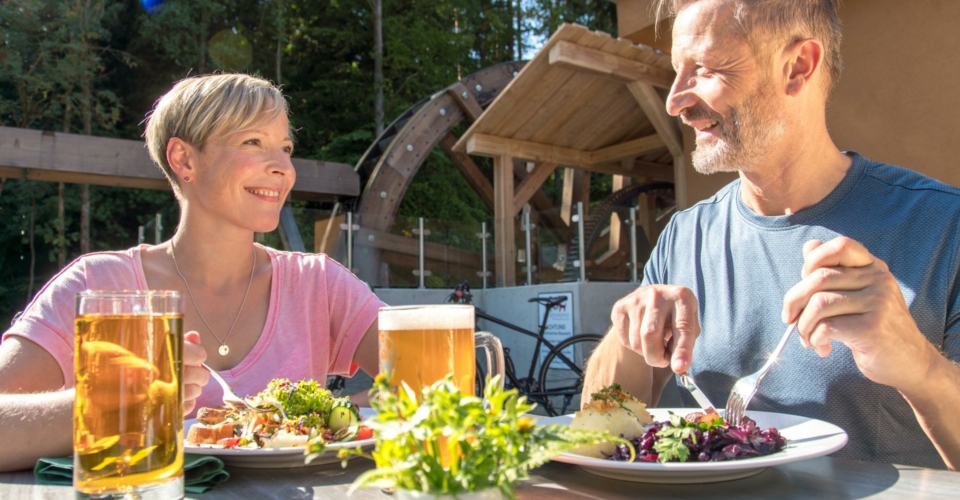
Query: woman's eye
x=253 y=142
x=288 y=150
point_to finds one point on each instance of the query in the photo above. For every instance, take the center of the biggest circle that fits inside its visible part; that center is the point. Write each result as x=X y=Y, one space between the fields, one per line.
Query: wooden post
x=503 y=231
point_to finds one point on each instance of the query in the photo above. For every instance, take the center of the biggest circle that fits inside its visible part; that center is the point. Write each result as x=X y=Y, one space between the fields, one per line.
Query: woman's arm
x=35 y=413
x=368 y=358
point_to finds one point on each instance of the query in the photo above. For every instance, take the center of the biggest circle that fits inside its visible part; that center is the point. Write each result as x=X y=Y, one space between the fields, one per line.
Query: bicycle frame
x=541 y=340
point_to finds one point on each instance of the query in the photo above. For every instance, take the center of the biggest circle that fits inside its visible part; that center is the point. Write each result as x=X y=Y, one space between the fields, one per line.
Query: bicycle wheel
x=561 y=380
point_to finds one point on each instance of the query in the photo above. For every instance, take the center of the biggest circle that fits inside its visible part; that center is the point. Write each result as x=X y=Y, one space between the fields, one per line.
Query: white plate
x=806 y=438
x=274 y=458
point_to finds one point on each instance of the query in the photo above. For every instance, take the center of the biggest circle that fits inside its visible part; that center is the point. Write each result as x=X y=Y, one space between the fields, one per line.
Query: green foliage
x=325 y=61
x=446 y=442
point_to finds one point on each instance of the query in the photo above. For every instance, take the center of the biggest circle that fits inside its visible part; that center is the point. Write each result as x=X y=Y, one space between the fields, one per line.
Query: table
x=820 y=478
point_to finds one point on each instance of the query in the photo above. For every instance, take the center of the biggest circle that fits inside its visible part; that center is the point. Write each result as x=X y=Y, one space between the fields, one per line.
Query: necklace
x=224 y=349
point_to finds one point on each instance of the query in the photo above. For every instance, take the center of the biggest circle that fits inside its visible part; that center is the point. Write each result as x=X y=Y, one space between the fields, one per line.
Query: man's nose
x=681 y=95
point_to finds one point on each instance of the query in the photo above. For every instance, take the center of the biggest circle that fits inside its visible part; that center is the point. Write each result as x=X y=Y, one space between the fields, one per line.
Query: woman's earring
x=187 y=179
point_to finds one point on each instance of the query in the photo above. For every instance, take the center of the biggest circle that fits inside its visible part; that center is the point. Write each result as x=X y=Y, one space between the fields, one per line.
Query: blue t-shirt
x=740 y=265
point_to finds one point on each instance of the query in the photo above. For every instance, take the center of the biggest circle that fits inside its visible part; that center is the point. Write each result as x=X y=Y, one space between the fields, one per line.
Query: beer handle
x=494 y=349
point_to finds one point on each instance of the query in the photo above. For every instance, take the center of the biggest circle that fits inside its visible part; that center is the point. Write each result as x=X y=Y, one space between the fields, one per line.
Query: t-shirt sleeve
x=48 y=320
x=652 y=270
x=353 y=309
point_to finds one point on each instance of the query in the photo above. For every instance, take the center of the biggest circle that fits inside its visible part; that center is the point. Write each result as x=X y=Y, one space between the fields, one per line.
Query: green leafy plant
x=450 y=443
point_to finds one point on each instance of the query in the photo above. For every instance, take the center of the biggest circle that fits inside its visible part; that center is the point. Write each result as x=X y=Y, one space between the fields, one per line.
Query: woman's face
x=244 y=177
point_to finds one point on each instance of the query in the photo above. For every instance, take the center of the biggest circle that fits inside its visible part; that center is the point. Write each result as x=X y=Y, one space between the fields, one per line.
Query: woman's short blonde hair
x=200 y=108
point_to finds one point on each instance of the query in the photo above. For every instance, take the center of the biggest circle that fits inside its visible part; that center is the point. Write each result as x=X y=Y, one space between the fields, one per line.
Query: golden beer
x=421 y=357
x=128 y=412
x=420 y=345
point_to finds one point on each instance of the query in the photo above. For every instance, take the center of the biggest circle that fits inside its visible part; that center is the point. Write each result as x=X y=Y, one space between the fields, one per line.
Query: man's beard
x=749 y=132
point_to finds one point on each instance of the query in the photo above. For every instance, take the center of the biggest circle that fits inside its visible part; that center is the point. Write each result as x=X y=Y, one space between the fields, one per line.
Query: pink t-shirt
x=318 y=314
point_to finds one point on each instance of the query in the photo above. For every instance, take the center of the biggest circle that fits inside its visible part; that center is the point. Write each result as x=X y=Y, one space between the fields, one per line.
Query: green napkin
x=200 y=472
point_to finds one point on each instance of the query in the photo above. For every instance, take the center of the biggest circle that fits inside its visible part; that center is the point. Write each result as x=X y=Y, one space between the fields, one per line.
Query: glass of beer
x=420 y=345
x=128 y=413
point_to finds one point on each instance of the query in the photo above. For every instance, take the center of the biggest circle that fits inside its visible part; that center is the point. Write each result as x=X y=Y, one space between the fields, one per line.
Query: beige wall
x=898 y=100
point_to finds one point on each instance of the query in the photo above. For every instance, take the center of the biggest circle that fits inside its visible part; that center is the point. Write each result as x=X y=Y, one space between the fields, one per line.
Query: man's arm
x=847 y=295
x=653 y=331
x=612 y=362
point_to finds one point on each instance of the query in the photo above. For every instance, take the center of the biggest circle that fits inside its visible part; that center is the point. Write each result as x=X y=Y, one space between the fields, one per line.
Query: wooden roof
x=587 y=100
x=59 y=157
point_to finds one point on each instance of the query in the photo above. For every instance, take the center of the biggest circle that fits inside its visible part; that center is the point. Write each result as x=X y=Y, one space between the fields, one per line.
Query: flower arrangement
x=450 y=444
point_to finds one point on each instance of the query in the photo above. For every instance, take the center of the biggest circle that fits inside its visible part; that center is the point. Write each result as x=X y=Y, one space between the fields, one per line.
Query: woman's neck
x=212 y=257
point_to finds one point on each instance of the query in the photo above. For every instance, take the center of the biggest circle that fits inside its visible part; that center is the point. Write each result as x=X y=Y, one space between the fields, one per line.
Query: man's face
x=722 y=90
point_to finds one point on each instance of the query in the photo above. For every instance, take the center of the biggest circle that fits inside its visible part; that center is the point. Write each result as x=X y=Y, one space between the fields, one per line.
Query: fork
x=746 y=387
x=230 y=398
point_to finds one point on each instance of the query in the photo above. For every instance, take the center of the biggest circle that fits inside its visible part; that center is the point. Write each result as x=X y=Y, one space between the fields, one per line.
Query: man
x=862 y=256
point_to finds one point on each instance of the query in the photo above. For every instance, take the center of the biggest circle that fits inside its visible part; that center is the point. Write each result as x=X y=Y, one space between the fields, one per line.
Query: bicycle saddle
x=549 y=301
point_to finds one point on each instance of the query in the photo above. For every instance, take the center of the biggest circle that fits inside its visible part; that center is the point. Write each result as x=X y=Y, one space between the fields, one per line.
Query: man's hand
x=660 y=322
x=194 y=375
x=848 y=295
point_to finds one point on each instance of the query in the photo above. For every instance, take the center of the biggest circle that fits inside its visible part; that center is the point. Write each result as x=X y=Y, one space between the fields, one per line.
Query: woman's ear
x=181 y=157
x=804 y=61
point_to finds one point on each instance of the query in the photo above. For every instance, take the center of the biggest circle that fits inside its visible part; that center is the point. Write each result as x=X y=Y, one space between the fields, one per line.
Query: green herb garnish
x=447 y=442
x=671 y=447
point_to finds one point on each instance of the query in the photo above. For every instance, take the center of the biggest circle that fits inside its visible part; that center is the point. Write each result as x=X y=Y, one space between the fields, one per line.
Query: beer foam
x=428 y=317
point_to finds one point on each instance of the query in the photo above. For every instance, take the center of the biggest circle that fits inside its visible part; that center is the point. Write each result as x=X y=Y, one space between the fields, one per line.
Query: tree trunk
x=510 y=37
x=61 y=215
x=85 y=189
x=33 y=252
x=378 y=64
x=202 y=67
x=519 y=30
x=61 y=230
x=279 y=40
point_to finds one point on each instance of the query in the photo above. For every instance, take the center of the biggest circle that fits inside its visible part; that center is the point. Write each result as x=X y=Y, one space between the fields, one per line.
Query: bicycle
x=559 y=383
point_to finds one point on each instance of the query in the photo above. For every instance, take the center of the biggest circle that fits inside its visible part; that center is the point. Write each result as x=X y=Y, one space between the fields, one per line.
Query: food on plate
x=693 y=439
x=614 y=410
x=700 y=436
x=295 y=413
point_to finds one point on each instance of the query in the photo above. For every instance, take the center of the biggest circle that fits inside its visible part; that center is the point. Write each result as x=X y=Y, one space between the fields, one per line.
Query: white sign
x=559 y=324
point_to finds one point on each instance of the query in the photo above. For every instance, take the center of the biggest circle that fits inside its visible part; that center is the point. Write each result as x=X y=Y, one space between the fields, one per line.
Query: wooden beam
x=488 y=145
x=655 y=171
x=388 y=242
x=578 y=58
x=58 y=157
x=627 y=149
x=531 y=184
x=656 y=111
x=503 y=230
x=470 y=171
x=471 y=108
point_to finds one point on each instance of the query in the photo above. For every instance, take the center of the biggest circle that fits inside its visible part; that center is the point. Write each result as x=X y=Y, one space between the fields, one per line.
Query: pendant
x=224 y=350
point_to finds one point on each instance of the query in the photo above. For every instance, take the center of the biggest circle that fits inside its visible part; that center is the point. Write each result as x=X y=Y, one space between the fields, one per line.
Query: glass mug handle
x=494 y=349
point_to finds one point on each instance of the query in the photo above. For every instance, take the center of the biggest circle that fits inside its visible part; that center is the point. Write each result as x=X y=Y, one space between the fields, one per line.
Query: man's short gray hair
x=765 y=22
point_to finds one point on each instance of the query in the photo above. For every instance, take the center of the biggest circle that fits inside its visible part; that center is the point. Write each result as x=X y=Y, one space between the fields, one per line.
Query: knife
x=701 y=398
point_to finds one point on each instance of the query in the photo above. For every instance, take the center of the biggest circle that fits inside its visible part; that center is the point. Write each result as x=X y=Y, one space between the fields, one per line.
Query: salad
x=702 y=438
x=296 y=413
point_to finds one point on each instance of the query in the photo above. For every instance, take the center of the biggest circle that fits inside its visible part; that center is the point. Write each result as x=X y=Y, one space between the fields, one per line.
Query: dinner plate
x=274 y=458
x=806 y=438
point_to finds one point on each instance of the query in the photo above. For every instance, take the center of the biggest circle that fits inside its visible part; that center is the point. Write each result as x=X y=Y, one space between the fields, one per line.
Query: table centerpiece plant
x=451 y=445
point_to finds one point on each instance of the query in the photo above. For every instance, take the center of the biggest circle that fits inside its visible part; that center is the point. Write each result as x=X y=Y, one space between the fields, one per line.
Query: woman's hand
x=194 y=375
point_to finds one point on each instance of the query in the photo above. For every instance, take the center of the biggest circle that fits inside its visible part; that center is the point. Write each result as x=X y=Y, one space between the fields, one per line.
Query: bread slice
x=211 y=434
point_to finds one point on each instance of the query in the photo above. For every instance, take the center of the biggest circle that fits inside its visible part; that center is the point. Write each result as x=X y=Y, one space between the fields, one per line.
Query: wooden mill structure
x=586 y=103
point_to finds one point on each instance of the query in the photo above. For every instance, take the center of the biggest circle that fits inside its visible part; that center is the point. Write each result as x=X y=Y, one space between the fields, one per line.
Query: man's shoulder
x=910 y=183
x=712 y=207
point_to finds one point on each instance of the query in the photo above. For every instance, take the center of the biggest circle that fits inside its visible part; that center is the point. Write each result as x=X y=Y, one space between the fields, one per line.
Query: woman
x=251 y=312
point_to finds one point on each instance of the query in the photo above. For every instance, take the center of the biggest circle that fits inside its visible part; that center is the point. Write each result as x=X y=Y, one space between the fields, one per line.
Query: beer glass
x=128 y=413
x=422 y=344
